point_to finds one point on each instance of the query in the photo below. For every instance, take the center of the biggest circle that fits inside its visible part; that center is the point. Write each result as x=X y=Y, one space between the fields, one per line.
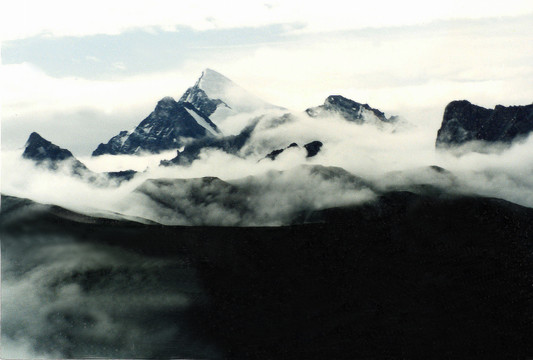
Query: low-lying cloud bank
x=253 y=192
x=85 y=297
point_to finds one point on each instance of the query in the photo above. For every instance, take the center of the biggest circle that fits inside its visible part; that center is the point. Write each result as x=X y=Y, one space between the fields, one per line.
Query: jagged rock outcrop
x=45 y=153
x=464 y=122
x=351 y=111
x=312 y=149
x=172 y=124
x=199 y=99
x=274 y=154
x=219 y=98
x=167 y=127
x=230 y=144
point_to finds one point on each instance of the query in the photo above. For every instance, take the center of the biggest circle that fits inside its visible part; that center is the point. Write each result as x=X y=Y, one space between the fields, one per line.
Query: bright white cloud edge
x=22 y=19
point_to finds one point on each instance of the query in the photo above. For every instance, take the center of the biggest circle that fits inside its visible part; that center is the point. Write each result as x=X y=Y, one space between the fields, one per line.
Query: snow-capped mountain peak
x=207 y=109
x=167 y=127
x=220 y=98
x=357 y=113
x=214 y=84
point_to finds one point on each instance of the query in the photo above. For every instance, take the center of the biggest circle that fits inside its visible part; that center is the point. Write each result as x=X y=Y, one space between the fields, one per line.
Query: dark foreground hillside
x=405 y=277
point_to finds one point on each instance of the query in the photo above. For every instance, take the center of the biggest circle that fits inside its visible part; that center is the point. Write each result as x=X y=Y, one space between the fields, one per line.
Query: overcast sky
x=79 y=72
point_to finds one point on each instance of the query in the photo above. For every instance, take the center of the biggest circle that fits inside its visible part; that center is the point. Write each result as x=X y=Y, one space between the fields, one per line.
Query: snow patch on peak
x=218 y=87
x=224 y=102
x=215 y=84
x=123 y=136
x=202 y=122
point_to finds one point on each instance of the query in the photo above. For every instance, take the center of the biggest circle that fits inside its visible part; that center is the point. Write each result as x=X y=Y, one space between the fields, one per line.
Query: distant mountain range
x=194 y=122
x=202 y=110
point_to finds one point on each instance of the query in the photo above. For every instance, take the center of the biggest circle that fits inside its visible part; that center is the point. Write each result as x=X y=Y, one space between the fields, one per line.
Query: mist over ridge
x=386 y=152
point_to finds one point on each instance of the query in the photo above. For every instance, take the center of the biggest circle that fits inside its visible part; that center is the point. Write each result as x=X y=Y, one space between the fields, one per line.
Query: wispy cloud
x=119 y=65
x=63 y=18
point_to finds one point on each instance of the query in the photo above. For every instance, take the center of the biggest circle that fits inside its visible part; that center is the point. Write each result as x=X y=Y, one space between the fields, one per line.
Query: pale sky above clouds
x=79 y=72
x=23 y=19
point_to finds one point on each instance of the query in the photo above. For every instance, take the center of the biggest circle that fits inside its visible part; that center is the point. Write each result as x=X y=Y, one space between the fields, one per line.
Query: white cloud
x=28 y=89
x=362 y=150
x=486 y=62
x=74 y=112
x=22 y=19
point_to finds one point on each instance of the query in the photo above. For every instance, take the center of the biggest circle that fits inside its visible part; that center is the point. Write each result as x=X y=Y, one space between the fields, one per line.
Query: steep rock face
x=114 y=146
x=463 y=122
x=211 y=100
x=199 y=99
x=165 y=128
x=351 y=111
x=43 y=152
x=39 y=149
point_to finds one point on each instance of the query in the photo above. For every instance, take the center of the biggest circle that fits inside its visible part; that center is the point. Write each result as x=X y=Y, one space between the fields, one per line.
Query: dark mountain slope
x=167 y=127
x=51 y=156
x=44 y=152
x=407 y=276
x=231 y=144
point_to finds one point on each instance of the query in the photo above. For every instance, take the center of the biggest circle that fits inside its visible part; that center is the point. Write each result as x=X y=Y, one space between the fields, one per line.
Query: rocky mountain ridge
x=464 y=122
x=167 y=127
x=52 y=157
x=351 y=111
x=188 y=124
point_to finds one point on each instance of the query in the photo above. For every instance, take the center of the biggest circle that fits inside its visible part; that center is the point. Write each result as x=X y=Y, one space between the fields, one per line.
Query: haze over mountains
x=222 y=226
x=213 y=99
x=219 y=127
x=217 y=113
x=219 y=97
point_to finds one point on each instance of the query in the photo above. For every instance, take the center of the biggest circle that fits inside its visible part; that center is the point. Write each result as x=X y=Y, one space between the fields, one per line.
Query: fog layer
x=384 y=158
